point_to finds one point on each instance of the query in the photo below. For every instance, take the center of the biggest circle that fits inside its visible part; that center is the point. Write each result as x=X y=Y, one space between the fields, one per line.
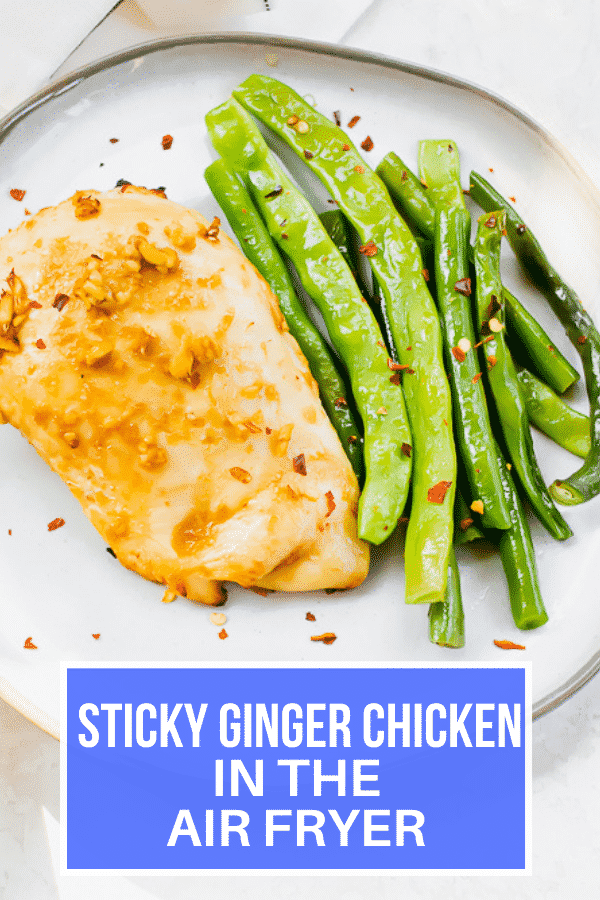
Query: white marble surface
x=543 y=57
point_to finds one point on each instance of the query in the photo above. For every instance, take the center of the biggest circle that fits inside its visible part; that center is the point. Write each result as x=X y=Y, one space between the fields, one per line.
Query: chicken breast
x=149 y=364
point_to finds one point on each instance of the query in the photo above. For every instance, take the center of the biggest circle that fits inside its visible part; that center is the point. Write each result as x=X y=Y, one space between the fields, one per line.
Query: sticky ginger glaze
x=149 y=364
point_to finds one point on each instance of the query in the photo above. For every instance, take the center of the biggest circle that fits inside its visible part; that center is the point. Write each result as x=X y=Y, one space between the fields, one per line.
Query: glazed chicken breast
x=149 y=364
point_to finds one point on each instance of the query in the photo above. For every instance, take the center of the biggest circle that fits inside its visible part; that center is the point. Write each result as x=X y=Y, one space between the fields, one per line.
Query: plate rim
x=60 y=86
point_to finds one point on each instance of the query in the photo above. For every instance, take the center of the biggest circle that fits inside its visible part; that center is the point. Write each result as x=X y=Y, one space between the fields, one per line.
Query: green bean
x=298 y=233
x=549 y=362
x=417 y=204
x=440 y=168
x=398 y=267
x=502 y=375
x=465 y=530
x=235 y=201
x=585 y=482
x=412 y=196
x=555 y=418
x=338 y=229
x=518 y=559
x=425 y=246
x=446 y=620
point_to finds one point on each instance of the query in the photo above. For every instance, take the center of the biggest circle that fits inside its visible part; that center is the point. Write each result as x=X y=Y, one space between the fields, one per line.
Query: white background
x=542 y=56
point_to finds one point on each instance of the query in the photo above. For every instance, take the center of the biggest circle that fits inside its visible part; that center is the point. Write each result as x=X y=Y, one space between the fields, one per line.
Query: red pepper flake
x=491 y=221
x=268 y=431
x=408 y=348
x=345 y=146
x=310 y=617
x=368 y=249
x=330 y=504
x=550 y=348
x=522 y=228
x=96 y=636
x=59 y=301
x=29 y=645
x=223 y=634
x=465 y=523
x=514 y=199
x=484 y=341
x=381 y=344
x=299 y=464
x=581 y=339
x=337 y=117
x=492 y=362
x=40 y=344
x=167 y=141
x=437 y=493
x=35 y=305
x=463 y=286
x=353 y=121
x=359 y=169
x=425 y=274
x=27 y=212
x=367 y=144
x=308 y=154
x=284 y=236
x=274 y=193
x=476 y=377
x=396 y=367
x=404 y=176
x=352 y=439
x=339 y=402
x=509 y=645
x=459 y=354
x=55 y=523
x=406 y=449
x=396 y=378
x=328 y=638
x=9 y=532
x=114 y=140
x=17 y=193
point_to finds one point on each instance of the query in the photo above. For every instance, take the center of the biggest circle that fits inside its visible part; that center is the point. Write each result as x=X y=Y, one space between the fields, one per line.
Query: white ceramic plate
x=60 y=587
